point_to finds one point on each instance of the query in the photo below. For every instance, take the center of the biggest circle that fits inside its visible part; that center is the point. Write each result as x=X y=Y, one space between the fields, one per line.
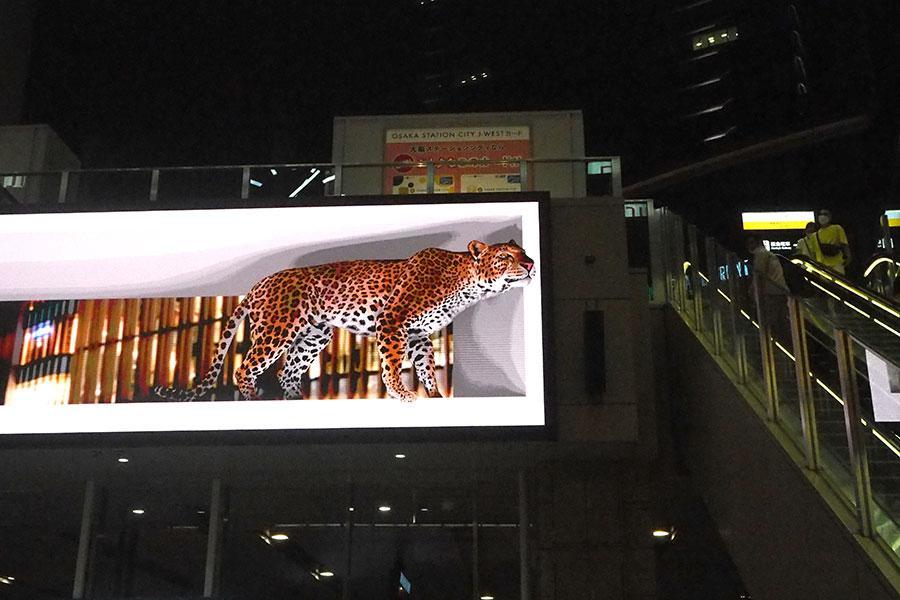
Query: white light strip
x=887 y=443
x=329 y=179
x=824 y=290
x=305 y=183
x=891 y=329
x=865 y=314
x=828 y=389
x=785 y=350
x=723 y=295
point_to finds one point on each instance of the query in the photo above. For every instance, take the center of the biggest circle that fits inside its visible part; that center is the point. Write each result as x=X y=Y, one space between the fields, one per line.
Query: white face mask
x=824 y=220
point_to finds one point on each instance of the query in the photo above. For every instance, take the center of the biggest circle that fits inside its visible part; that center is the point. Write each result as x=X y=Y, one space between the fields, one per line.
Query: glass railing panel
x=109 y=188
x=186 y=185
x=879 y=405
x=282 y=182
x=828 y=406
x=30 y=188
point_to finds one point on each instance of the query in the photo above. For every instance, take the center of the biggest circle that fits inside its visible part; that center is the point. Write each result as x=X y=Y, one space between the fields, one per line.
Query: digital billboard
x=348 y=314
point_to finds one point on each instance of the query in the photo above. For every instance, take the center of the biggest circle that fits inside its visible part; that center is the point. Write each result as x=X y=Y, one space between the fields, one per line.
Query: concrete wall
x=590 y=272
x=554 y=134
x=593 y=540
x=774 y=523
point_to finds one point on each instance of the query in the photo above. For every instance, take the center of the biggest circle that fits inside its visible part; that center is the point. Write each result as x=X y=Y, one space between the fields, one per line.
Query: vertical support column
x=658 y=256
x=524 y=574
x=154 y=184
x=213 y=539
x=84 y=541
x=338 y=177
x=348 y=543
x=694 y=257
x=63 y=187
x=476 y=585
x=245 y=183
x=859 y=462
x=715 y=304
x=616 y=176
x=804 y=384
x=677 y=240
x=429 y=177
x=766 y=348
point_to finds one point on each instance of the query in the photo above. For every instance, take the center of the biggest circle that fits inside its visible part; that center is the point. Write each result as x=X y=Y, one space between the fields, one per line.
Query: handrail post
x=740 y=341
x=766 y=348
x=63 y=187
x=804 y=383
x=245 y=183
x=712 y=272
x=154 y=184
x=856 y=442
x=695 y=277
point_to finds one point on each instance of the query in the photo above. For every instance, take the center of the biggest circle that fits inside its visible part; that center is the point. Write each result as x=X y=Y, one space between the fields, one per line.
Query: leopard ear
x=512 y=243
x=476 y=248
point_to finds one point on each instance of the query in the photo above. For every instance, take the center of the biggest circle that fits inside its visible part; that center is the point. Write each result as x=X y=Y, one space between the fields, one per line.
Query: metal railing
x=600 y=175
x=807 y=364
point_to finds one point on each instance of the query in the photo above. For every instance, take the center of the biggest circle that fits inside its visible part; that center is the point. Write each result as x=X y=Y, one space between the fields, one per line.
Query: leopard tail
x=209 y=381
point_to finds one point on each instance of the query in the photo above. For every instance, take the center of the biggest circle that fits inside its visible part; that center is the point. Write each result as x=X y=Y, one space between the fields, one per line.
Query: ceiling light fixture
x=122 y=459
x=326 y=574
x=279 y=537
x=384 y=508
x=137 y=511
x=399 y=456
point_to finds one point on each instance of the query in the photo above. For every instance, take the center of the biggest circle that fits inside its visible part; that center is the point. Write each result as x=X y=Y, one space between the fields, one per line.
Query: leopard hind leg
x=300 y=356
x=269 y=340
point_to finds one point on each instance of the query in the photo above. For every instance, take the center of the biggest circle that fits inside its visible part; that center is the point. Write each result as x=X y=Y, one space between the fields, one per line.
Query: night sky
x=243 y=82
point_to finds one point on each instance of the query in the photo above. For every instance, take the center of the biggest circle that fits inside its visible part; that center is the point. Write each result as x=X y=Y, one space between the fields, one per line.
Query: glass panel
x=186 y=185
x=426 y=537
x=286 y=542
x=109 y=188
x=291 y=182
x=882 y=442
x=834 y=453
x=151 y=540
x=39 y=531
x=498 y=537
x=31 y=188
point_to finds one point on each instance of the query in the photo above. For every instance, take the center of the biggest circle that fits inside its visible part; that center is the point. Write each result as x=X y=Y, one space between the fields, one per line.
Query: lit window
x=714 y=38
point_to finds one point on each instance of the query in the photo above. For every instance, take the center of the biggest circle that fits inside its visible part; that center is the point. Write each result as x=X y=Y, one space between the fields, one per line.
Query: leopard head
x=499 y=267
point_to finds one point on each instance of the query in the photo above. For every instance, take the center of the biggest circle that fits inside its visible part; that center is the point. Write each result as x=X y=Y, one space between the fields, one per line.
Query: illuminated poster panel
x=410 y=315
x=884 y=384
x=488 y=143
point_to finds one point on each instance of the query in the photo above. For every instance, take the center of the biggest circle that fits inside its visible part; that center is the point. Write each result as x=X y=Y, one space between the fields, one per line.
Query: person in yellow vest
x=832 y=249
x=807 y=245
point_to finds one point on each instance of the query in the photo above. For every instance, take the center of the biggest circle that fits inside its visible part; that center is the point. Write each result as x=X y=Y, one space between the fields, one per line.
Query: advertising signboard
x=488 y=143
x=347 y=314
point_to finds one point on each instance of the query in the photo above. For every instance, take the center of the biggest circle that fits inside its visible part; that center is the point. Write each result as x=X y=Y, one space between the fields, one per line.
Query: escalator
x=824 y=376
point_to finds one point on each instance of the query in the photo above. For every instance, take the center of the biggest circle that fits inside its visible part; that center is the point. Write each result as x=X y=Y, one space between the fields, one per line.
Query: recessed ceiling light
x=660 y=533
x=326 y=574
x=399 y=456
x=137 y=511
x=487 y=598
x=384 y=508
x=122 y=459
x=7 y=580
x=423 y=509
x=279 y=537
x=351 y=509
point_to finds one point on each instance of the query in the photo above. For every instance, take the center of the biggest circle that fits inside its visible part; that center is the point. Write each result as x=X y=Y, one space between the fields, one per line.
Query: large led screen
x=360 y=315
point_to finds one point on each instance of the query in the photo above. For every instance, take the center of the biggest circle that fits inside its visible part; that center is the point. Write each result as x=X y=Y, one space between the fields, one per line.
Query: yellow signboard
x=786 y=219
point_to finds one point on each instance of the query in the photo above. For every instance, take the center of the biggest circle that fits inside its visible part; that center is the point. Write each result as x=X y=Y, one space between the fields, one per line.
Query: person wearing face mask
x=832 y=249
